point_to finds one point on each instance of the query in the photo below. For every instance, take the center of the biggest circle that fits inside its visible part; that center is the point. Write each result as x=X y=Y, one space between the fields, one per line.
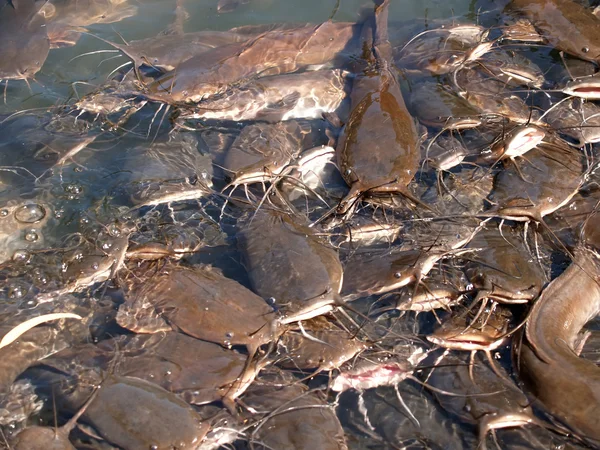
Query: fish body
x=566 y=385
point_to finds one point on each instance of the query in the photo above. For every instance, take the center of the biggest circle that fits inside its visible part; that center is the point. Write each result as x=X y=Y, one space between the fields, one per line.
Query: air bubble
x=31 y=236
x=31 y=213
x=21 y=256
x=114 y=230
x=16 y=291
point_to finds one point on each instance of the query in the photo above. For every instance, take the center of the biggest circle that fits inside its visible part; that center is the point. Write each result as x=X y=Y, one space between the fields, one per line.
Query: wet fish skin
x=378 y=150
x=197 y=301
x=281 y=253
x=277 y=98
x=566 y=385
x=503 y=269
x=134 y=413
x=305 y=422
x=566 y=24
x=271 y=53
x=25 y=43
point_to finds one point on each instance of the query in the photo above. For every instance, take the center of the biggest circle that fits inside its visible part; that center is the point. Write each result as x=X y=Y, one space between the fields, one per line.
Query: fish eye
x=397 y=275
x=585 y=49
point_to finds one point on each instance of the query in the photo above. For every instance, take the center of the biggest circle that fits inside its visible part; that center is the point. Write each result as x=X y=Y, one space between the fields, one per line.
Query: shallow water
x=58 y=74
x=84 y=209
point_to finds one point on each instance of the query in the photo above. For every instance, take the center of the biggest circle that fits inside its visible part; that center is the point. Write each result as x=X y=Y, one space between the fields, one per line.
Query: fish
x=378 y=150
x=567 y=386
x=166 y=52
x=436 y=105
x=323 y=347
x=134 y=413
x=46 y=438
x=566 y=25
x=203 y=303
x=502 y=269
x=270 y=53
x=262 y=151
x=303 y=420
x=440 y=50
x=280 y=253
x=66 y=18
x=577 y=119
x=25 y=43
x=547 y=180
x=513 y=68
x=489 y=401
x=226 y=6
x=277 y=98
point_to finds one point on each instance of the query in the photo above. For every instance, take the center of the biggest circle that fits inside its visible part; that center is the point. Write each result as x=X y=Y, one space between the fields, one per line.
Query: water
x=81 y=205
x=59 y=73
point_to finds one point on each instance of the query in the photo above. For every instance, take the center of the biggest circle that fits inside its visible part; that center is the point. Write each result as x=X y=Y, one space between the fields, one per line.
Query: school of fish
x=381 y=234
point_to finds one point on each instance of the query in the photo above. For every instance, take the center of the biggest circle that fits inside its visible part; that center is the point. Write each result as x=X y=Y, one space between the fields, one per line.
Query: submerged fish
x=277 y=98
x=23 y=38
x=66 y=18
x=270 y=53
x=378 y=150
x=281 y=253
x=566 y=385
x=566 y=24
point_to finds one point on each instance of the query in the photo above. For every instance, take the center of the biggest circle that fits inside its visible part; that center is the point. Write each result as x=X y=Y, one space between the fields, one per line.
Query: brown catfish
x=300 y=420
x=566 y=24
x=378 y=150
x=567 y=386
x=133 y=413
x=270 y=53
x=67 y=17
x=24 y=40
x=548 y=179
x=281 y=97
x=489 y=400
x=291 y=263
x=204 y=304
x=46 y=438
x=503 y=269
x=166 y=52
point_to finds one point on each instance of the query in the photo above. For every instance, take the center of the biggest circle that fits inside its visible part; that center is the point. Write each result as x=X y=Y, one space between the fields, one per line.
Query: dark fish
x=226 y=6
x=378 y=150
x=168 y=51
x=502 y=269
x=271 y=53
x=483 y=398
x=46 y=438
x=566 y=385
x=204 y=304
x=134 y=413
x=326 y=348
x=277 y=98
x=281 y=254
x=540 y=184
x=566 y=24
x=66 y=18
x=25 y=43
x=304 y=421
x=262 y=151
